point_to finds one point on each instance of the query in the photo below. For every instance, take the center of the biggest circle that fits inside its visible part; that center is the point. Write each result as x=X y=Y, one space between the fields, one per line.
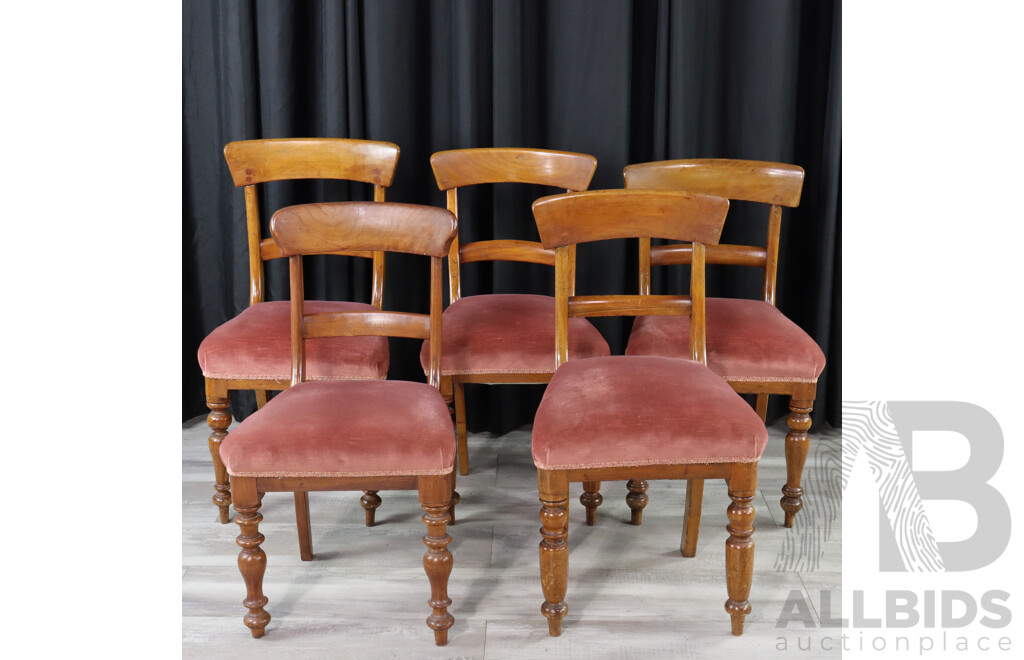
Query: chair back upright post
x=468 y=167
x=328 y=228
x=775 y=184
x=253 y=162
x=569 y=219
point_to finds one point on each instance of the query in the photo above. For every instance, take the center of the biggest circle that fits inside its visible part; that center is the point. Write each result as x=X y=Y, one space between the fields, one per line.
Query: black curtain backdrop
x=627 y=82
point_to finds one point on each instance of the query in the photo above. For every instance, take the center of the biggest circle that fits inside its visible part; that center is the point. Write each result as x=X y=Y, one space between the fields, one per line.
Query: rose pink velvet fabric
x=508 y=334
x=256 y=345
x=633 y=411
x=747 y=340
x=345 y=429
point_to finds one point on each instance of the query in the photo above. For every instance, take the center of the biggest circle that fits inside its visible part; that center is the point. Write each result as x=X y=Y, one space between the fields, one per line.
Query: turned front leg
x=554 y=547
x=435 y=493
x=739 y=547
x=636 y=500
x=219 y=420
x=252 y=561
x=591 y=499
x=799 y=421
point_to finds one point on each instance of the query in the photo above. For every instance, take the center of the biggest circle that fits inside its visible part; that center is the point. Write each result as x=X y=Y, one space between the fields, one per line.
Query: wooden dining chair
x=503 y=337
x=252 y=350
x=346 y=434
x=750 y=343
x=622 y=417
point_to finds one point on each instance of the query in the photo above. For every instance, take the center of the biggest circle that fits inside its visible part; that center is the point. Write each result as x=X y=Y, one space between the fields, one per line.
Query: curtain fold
x=626 y=82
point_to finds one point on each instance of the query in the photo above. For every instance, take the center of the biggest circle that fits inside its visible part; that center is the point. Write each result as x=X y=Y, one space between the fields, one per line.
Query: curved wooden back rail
x=258 y=161
x=469 y=167
x=569 y=219
x=776 y=184
x=328 y=228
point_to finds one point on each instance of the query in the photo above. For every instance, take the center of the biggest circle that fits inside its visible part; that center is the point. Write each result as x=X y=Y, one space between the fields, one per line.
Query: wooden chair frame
x=253 y=162
x=382 y=233
x=626 y=214
x=775 y=184
x=469 y=167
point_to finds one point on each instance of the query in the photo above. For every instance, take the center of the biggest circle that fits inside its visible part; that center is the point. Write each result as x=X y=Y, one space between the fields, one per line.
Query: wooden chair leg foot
x=637 y=500
x=691 y=521
x=370 y=501
x=554 y=547
x=591 y=499
x=555 y=613
x=739 y=547
x=799 y=421
x=252 y=561
x=738 y=612
x=219 y=420
x=437 y=561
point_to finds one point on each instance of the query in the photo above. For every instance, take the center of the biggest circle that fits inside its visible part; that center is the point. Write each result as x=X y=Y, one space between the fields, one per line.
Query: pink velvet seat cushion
x=747 y=340
x=345 y=429
x=508 y=334
x=626 y=411
x=256 y=345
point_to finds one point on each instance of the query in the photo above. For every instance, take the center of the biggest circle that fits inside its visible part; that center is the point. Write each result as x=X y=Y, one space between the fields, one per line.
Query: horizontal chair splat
x=506 y=250
x=629 y=305
x=725 y=255
x=392 y=324
x=269 y=249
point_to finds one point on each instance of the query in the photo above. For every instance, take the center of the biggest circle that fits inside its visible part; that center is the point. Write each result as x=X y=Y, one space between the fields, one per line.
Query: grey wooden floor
x=630 y=594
